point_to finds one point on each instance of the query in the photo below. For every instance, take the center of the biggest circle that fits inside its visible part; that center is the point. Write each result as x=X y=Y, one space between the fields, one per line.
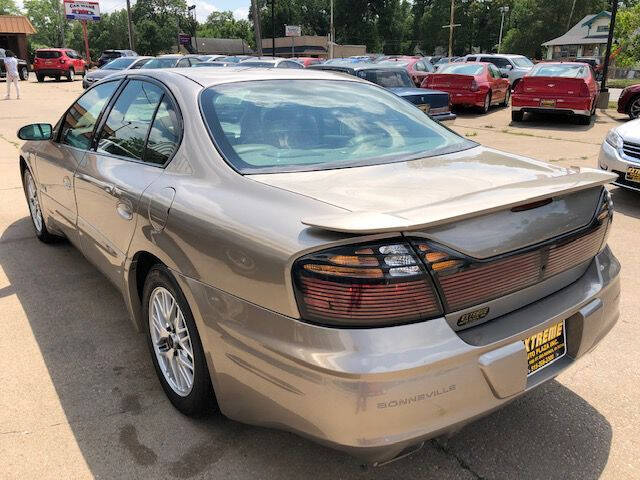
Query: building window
x=602 y=28
x=568 y=51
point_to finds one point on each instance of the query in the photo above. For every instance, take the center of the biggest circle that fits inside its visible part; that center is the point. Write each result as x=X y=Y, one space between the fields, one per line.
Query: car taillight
x=62 y=61
x=584 y=90
x=365 y=285
x=474 y=86
x=519 y=87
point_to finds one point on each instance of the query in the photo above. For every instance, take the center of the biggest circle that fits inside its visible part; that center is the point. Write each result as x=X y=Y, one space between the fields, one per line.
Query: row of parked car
x=434 y=85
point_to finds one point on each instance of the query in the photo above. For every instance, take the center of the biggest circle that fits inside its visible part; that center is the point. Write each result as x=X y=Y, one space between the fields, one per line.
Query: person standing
x=11 y=67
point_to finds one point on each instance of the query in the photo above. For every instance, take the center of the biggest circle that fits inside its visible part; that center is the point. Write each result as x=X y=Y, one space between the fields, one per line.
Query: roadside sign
x=184 y=39
x=81 y=10
x=292 y=30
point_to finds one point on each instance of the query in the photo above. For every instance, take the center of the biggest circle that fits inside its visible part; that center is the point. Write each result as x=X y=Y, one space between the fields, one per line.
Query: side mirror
x=36 y=131
x=509 y=67
x=505 y=75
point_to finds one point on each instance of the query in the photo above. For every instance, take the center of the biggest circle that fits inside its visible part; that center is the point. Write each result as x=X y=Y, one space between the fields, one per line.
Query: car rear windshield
x=461 y=69
x=48 y=54
x=564 y=71
x=257 y=64
x=161 y=63
x=275 y=126
x=522 y=62
x=387 y=78
x=111 y=54
x=395 y=63
x=119 y=63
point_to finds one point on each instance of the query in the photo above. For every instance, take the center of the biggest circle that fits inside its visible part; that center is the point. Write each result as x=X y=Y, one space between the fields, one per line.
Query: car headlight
x=614 y=139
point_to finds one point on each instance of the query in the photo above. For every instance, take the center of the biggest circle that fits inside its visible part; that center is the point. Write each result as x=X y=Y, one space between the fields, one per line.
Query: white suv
x=515 y=66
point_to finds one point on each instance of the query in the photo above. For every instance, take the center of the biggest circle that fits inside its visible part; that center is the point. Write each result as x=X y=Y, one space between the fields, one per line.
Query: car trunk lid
x=554 y=86
x=446 y=81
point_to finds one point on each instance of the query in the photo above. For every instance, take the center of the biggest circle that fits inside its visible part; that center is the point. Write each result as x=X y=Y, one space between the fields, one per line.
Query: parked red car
x=629 y=101
x=557 y=87
x=417 y=67
x=471 y=84
x=306 y=61
x=58 y=62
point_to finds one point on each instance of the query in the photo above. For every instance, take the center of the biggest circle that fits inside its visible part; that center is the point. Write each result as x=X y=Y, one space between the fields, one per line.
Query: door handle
x=125 y=210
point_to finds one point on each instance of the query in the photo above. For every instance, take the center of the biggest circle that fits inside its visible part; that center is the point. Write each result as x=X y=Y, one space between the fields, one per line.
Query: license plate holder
x=548 y=103
x=545 y=347
x=633 y=174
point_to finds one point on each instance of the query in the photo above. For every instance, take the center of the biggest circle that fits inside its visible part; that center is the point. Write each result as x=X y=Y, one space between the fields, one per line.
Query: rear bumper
x=564 y=105
x=462 y=97
x=375 y=392
x=444 y=117
x=51 y=72
x=614 y=161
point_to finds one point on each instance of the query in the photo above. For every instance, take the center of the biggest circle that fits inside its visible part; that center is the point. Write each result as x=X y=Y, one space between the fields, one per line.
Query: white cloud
x=203 y=9
x=241 y=13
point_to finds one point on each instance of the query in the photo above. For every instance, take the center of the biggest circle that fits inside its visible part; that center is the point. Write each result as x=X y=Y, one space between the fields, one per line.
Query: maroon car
x=629 y=101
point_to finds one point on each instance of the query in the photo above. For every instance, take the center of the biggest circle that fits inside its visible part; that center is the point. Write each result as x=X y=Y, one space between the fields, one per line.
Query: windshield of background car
x=257 y=64
x=48 y=54
x=394 y=63
x=387 y=78
x=564 y=71
x=522 y=62
x=119 y=63
x=275 y=126
x=462 y=69
x=161 y=63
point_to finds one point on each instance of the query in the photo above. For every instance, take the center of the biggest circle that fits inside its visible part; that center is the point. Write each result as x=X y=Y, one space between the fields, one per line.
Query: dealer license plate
x=633 y=174
x=545 y=347
x=425 y=107
x=548 y=103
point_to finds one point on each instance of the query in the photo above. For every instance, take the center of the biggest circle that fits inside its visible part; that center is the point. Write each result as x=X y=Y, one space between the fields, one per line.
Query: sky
x=240 y=8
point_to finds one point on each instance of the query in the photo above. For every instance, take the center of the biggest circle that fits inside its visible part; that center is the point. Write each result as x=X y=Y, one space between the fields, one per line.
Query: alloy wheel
x=634 y=108
x=34 y=204
x=171 y=341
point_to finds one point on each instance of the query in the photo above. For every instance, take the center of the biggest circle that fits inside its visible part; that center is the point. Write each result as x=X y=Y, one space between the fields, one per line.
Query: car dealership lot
x=79 y=396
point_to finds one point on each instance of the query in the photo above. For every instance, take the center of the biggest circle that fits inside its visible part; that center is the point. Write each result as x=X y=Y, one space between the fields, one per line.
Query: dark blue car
x=432 y=102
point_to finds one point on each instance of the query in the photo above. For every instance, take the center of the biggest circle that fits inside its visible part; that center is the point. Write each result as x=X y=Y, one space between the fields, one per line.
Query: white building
x=588 y=38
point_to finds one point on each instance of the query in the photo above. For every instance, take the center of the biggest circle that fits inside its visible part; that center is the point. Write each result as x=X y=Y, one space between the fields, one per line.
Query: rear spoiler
x=464 y=206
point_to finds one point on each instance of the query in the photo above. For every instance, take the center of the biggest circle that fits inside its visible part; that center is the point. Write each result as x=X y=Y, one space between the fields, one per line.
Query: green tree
x=9 y=7
x=533 y=22
x=110 y=32
x=48 y=20
x=158 y=23
x=224 y=25
x=627 y=34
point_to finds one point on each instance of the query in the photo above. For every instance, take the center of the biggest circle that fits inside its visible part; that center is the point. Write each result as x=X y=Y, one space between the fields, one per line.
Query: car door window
x=124 y=133
x=183 y=63
x=495 y=73
x=164 y=135
x=471 y=59
x=80 y=120
x=497 y=61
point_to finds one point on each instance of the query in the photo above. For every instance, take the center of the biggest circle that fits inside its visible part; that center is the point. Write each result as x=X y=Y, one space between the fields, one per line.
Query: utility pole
x=132 y=44
x=273 y=28
x=451 y=26
x=331 y=33
x=605 y=69
x=256 y=27
x=63 y=18
x=503 y=10
x=192 y=9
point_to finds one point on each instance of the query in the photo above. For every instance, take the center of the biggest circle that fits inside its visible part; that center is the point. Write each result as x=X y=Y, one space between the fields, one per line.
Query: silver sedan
x=620 y=154
x=308 y=251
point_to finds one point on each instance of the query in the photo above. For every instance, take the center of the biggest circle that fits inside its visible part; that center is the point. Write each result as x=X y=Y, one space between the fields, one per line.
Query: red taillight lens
x=474 y=86
x=370 y=285
x=584 y=90
x=519 y=87
x=62 y=61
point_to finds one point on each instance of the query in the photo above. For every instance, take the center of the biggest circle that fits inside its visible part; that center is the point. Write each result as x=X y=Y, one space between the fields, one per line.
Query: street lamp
x=192 y=9
x=503 y=10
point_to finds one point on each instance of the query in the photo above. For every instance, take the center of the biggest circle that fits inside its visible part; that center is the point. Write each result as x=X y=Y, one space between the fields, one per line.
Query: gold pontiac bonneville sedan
x=309 y=251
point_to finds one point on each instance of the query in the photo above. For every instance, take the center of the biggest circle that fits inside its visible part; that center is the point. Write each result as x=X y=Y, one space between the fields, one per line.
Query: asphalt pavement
x=79 y=397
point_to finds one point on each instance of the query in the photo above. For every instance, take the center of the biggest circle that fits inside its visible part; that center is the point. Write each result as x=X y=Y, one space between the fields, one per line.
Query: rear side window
x=497 y=61
x=125 y=131
x=48 y=54
x=80 y=120
x=462 y=69
x=558 y=70
x=164 y=135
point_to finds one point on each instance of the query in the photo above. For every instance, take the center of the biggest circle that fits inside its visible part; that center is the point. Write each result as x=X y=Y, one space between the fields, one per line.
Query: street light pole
x=256 y=27
x=503 y=10
x=612 y=26
x=192 y=9
x=273 y=28
x=331 y=34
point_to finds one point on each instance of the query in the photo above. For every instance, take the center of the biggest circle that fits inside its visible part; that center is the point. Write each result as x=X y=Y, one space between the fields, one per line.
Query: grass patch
x=613 y=105
x=622 y=82
x=471 y=134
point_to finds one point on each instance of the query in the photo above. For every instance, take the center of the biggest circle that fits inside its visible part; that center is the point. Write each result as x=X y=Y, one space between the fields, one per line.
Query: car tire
x=71 y=75
x=166 y=345
x=634 y=108
x=40 y=77
x=584 y=120
x=507 y=97
x=487 y=103
x=24 y=73
x=33 y=201
x=517 y=115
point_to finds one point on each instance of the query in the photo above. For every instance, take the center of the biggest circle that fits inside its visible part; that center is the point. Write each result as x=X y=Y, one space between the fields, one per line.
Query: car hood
x=431 y=191
x=630 y=131
x=100 y=73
